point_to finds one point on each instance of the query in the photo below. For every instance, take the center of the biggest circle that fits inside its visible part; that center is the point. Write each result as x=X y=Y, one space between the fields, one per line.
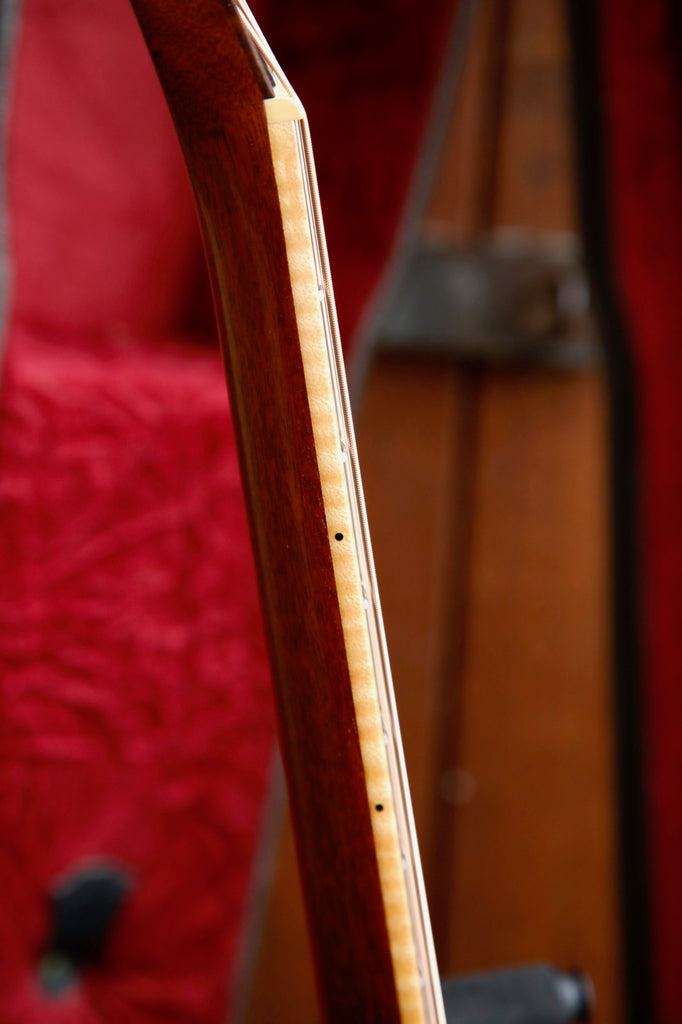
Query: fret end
x=280 y=109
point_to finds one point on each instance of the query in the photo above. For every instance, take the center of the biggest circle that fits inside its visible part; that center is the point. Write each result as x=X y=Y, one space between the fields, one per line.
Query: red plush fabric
x=643 y=116
x=136 y=725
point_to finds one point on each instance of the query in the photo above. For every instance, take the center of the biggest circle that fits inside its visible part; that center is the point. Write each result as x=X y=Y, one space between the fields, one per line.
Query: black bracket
x=536 y=994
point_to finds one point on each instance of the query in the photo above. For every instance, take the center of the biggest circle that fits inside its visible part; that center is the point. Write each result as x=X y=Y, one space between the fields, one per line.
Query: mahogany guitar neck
x=246 y=144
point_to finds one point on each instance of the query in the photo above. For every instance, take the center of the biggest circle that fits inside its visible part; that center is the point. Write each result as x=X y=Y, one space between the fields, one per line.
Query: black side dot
x=338 y=536
x=379 y=807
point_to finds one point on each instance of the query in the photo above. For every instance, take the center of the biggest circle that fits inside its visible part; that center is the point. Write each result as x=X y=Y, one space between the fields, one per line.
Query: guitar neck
x=247 y=147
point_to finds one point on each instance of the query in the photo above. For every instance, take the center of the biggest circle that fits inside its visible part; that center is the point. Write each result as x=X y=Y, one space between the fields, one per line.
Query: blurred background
x=501 y=186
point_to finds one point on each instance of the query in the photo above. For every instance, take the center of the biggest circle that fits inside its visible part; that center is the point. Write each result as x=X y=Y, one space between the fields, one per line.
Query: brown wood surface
x=215 y=94
x=533 y=864
x=535 y=185
x=532 y=858
x=464 y=192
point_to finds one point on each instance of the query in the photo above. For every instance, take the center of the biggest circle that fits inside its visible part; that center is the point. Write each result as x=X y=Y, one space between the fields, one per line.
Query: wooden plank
x=535 y=187
x=533 y=860
x=463 y=194
x=533 y=873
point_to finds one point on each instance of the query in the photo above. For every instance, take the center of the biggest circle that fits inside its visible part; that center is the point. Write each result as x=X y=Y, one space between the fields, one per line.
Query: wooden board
x=533 y=861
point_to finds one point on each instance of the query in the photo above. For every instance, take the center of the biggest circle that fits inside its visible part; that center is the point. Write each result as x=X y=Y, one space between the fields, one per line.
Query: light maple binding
x=247 y=148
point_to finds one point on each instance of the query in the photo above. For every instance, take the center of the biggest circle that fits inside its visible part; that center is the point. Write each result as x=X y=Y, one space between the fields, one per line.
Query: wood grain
x=391 y=844
x=533 y=864
x=215 y=93
x=536 y=190
x=464 y=192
